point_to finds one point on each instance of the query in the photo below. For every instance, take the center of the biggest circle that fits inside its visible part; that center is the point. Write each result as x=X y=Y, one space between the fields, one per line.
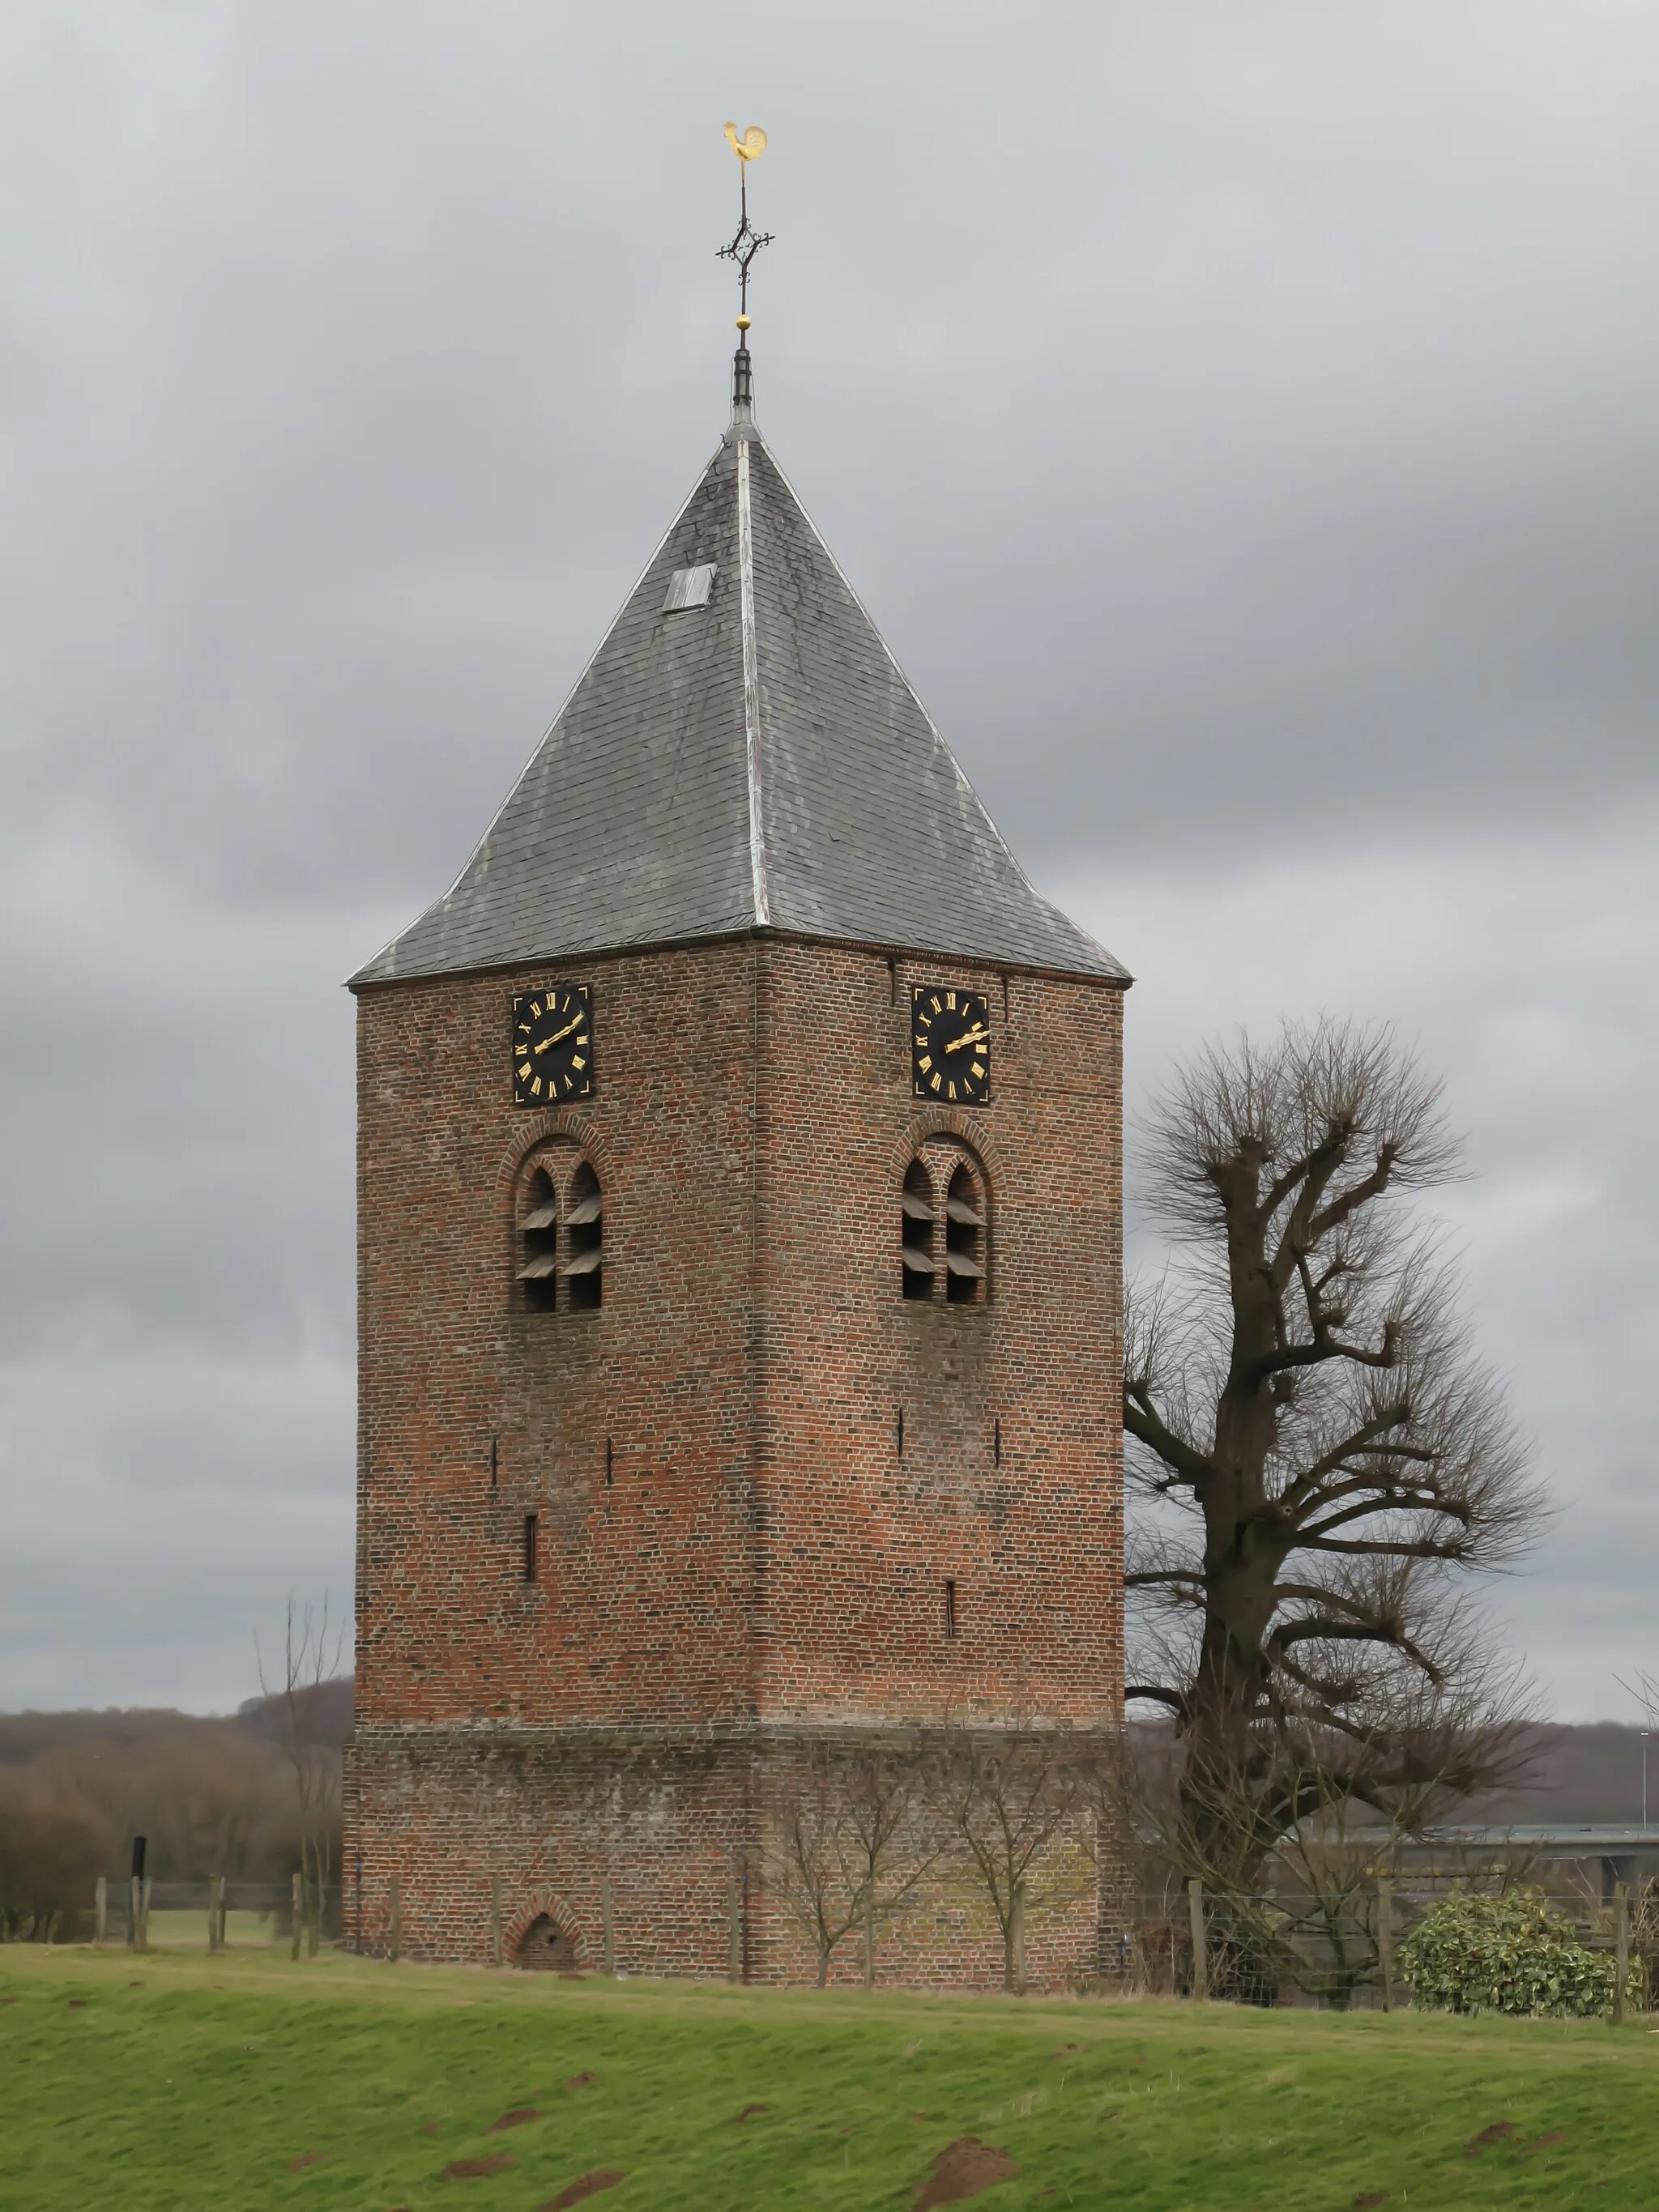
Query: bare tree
x=1325 y=1460
x=850 y=1844
x=312 y=1647
x=1007 y=1800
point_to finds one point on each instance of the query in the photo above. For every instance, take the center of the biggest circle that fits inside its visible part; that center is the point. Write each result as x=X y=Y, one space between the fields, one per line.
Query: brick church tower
x=739 y=1261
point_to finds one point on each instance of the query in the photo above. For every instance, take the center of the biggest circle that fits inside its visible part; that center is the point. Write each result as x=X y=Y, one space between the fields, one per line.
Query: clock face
x=950 y=1046
x=553 y=1046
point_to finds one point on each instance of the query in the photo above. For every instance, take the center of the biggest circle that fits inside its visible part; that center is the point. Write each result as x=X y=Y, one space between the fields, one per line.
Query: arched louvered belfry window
x=917 y=1231
x=965 y=1239
x=944 y=1226
x=584 y=1266
x=561 y=1234
x=538 y=1233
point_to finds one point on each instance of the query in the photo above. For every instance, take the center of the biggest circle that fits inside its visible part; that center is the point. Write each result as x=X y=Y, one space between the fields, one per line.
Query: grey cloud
x=1240 y=421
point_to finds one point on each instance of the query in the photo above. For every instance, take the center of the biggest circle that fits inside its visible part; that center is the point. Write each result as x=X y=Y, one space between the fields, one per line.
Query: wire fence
x=213 y=1914
x=1336 y=1946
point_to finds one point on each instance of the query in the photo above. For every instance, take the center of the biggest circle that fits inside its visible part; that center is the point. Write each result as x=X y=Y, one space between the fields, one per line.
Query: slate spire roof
x=751 y=760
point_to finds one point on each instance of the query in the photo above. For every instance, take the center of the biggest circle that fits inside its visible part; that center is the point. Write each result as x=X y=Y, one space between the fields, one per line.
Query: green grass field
x=177 y=2082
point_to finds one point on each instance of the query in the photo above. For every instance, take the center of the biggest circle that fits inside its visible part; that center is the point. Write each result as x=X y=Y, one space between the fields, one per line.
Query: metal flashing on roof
x=768 y=768
x=690 y=587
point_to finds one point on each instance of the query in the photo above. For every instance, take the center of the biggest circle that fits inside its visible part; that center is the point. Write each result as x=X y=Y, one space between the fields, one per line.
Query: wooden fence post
x=1385 y=1939
x=733 y=1922
x=1200 y=1954
x=299 y=1899
x=135 y=1913
x=607 y=1923
x=495 y=1920
x=144 y=1888
x=1620 y=1949
x=101 y=1910
x=397 y=1920
x=213 y=1915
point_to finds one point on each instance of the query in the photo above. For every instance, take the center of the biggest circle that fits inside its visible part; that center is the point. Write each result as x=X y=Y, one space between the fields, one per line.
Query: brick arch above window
x=947 y=1121
x=534 y=1131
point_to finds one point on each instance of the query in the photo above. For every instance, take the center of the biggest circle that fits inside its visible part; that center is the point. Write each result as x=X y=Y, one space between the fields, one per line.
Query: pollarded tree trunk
x=1301 y=1391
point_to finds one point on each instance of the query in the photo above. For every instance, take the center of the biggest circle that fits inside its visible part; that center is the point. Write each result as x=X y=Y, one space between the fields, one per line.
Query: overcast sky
x=1241 y=420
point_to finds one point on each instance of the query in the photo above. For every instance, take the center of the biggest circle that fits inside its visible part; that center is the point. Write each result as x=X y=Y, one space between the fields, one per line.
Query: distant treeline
x=210 y=1795
x=219 y=1795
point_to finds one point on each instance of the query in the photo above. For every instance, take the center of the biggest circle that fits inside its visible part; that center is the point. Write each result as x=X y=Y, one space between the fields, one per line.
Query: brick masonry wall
x=751 y=1548
x=679 y=1837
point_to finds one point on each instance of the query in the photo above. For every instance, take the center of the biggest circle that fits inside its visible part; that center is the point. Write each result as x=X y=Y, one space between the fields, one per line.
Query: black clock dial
x=950 y=1046
x=553 y=1045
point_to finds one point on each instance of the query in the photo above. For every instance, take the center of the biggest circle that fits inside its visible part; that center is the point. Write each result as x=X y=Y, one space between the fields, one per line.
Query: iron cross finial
x=746 y=241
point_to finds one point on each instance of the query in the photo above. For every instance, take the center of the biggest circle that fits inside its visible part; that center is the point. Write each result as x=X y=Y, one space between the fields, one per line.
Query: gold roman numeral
x=576 y=1059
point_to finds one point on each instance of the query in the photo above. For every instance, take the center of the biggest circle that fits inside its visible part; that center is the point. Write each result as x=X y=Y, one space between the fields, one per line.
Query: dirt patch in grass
x=584 y=2186
x=581 y=2081
x=306 y=2158
x=1498 y=2132
x=964 y=2168
x=515 y=2118
x=1371 y=2200
x=475 y=2169
x=748 y=2113
x=1544 y=2142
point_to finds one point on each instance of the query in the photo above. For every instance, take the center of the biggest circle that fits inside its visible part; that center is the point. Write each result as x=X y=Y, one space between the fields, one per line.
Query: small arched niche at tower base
x=544 y=1949
x=944 y=1226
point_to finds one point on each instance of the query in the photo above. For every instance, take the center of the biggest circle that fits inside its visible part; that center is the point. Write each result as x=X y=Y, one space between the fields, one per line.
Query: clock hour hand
x=969 y=1036
x=548 y=1042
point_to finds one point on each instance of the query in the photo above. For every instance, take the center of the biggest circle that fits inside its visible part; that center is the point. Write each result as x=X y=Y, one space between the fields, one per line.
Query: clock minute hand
x=547 y=1043
x=968 y=1037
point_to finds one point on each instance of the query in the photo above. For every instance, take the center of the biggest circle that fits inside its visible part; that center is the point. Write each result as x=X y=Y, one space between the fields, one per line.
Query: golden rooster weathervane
x=746 y=242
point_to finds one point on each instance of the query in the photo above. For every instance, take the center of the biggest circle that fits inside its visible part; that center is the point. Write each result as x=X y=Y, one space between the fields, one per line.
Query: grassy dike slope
x=176 y=2082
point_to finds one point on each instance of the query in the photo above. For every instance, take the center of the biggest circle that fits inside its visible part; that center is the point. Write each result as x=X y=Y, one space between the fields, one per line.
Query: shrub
x=1505 y=1955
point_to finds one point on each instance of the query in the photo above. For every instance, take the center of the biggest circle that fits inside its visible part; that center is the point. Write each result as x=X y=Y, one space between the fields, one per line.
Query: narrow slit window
x=530 y=1548
x=964 y=1235
x=917 y=1226
x=950 y=1607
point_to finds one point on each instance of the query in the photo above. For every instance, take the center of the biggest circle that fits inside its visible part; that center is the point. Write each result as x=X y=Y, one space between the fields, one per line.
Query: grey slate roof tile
x=634 y=822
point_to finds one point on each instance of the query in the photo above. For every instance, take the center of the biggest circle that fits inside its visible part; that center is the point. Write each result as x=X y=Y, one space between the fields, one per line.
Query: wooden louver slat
x=919 y=1263
x=543 y=1265
x=587 y=1210
x=960 y=1264
x=544 y=1217
x=583 y=1264
x=959 y=1211
x=916 y=1209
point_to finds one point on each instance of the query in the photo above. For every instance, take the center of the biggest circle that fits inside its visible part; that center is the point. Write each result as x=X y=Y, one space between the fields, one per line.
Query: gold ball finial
x=742 y=323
